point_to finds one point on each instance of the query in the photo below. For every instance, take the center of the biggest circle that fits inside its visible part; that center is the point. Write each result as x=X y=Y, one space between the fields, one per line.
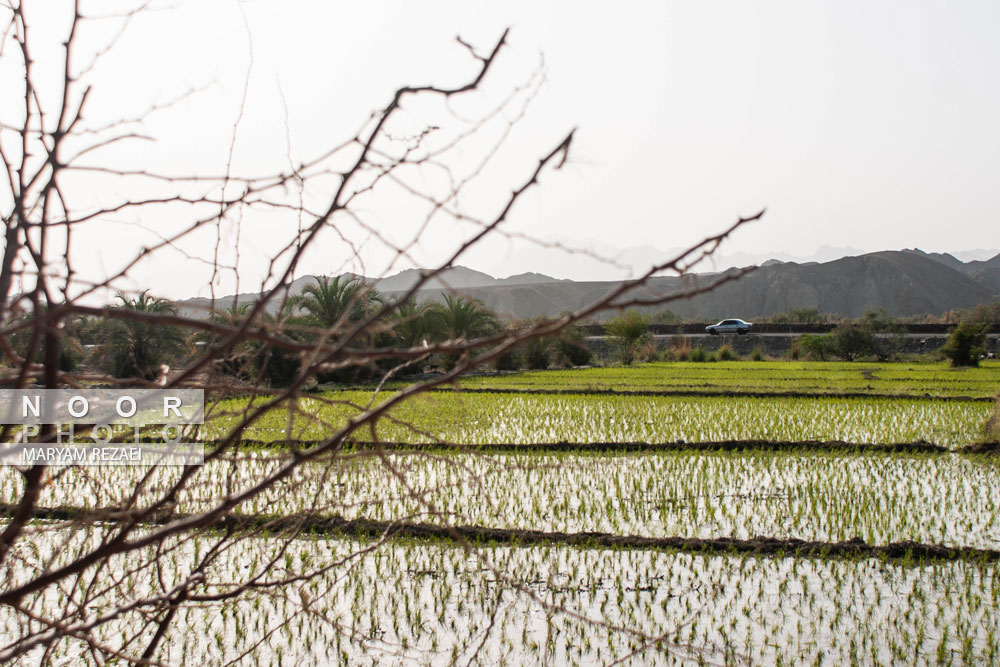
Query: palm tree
x=418 y=324
x=135 y=348
x=468 y=319
x=332 y=301
x=252 y=360
x=233 y=315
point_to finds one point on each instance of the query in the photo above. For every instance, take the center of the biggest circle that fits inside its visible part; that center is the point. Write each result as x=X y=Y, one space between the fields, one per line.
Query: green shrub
x=536 y=353
x=508 y=361
x=572 y=349
x=758 y=353
x=966 y=344
x=852 y=340
x=890 y=344
x=816 y=346
x=697 y=355
x=628 y=332
x=726 y=353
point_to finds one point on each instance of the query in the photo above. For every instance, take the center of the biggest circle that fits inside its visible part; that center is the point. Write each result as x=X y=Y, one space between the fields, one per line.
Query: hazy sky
x=864 y=124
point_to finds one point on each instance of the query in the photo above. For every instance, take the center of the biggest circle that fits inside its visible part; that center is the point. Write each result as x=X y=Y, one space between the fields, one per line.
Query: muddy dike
x=726 y=393
x=921 y=447
x=304 y=525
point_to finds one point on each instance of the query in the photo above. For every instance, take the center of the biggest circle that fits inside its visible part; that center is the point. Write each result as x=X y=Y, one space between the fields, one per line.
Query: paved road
x=780 y=335
x=992 y=337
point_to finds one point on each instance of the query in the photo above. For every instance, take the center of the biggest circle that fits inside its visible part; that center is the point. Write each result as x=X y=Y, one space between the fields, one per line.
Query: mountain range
x=903 y=282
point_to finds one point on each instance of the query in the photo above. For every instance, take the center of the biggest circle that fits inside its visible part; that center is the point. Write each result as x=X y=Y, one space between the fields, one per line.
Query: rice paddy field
x=898 y=379
x=718 y=513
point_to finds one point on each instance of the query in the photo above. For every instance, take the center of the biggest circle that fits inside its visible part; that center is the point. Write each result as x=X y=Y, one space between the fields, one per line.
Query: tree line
x=138 y=349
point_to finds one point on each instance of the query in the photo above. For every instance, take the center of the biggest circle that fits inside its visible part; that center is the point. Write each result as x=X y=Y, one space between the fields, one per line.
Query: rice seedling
x=432 y=603
x=475 y=419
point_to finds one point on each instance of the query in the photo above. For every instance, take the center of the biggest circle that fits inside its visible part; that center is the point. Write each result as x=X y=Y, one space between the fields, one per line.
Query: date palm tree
x=468 y=318
x=334 y=301
x=416 y=324
x=134 y=348
x=252 y=360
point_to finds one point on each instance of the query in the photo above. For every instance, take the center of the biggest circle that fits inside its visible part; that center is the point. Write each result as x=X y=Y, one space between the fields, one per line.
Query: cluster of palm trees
x=332 y=306
x=123 y=347
x=325 y=310
x=332 y=303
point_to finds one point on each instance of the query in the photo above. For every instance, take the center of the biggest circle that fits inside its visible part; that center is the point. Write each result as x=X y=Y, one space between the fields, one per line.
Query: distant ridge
x=531 y=279
x=903 y=282
x=455 y=278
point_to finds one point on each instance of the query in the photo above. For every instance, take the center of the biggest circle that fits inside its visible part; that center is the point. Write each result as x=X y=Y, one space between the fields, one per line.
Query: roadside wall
x=778 y=345
x=771 y=328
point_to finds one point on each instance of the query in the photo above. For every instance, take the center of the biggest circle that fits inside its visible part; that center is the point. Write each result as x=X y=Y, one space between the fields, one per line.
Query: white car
x=729 y=326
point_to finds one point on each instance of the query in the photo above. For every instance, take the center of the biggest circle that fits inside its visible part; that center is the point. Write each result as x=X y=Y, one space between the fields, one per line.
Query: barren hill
x=908 y=282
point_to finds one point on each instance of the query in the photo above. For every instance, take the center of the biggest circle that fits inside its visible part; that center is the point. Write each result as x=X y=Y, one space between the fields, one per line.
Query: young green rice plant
x=881 y=498
x=991 y=429
x=918 y=380
x=512 y=418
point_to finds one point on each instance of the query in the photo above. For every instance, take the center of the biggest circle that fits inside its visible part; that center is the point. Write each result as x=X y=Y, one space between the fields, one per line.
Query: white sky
x=871 y=125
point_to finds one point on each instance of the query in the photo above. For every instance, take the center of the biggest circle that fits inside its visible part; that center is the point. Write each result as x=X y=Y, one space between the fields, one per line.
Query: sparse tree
x=853 y=340
x=966 y=344
x=817 y=346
